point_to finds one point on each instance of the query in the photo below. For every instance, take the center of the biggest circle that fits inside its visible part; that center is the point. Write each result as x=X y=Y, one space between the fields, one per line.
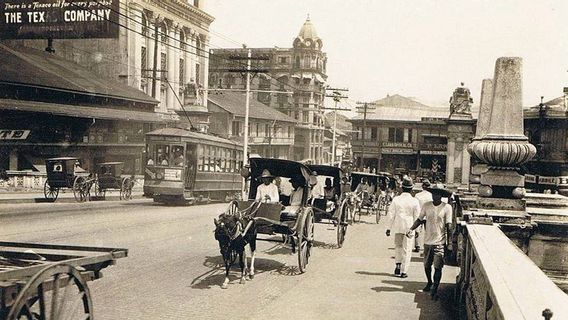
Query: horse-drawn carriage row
x=65 y=173
x=288 y=215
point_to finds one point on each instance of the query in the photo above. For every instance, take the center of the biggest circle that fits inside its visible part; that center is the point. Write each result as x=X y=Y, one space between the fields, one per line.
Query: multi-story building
x=401 y=136
x=342 y=138
x=300 y=70
x=271 y=133
x=179 y=49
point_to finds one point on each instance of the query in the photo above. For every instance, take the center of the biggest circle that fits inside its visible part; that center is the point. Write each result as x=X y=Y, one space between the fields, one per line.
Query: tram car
x=184 y=166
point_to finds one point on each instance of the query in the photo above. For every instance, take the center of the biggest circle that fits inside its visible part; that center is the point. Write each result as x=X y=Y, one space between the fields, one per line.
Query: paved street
x=174 y=269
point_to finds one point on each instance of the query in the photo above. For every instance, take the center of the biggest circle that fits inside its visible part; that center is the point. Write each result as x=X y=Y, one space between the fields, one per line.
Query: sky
x=420 y=49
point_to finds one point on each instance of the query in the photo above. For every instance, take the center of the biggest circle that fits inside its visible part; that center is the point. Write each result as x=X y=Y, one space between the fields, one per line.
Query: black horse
x=233 y=233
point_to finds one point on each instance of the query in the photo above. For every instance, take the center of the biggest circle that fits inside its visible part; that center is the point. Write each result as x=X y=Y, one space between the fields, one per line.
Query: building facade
x=300 y=70
x=546 y=125
x=401 y=136
x=180 y=52
x=271 y=133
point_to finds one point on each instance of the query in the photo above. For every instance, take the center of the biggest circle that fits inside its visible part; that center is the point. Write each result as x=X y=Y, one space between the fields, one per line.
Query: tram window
x=177 y=156
x=162 y=154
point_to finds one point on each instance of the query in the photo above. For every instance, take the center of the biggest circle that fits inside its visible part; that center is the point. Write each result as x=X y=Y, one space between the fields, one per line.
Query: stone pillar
x=205 y=68
x=504 y=147
x=482 y=127
x=150 y=59
x=460 y=132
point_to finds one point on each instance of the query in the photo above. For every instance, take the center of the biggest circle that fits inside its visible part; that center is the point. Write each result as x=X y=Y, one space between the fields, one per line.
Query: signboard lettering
x=59 y=19
x=397 y=144
x=14 y=134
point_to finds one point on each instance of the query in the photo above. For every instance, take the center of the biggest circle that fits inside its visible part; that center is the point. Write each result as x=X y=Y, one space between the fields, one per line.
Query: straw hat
x=439 y=188
x=266 y=174
x=407 y=182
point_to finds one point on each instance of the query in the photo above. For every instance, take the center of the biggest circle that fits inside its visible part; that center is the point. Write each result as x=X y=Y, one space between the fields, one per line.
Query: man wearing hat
x=438 y=218
x=423 y=197
x=267 y=191
x=403 y=210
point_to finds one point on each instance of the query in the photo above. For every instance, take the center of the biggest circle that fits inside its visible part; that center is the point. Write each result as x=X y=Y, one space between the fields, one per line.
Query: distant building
x=342 y=138
x=546 y=126
x=300 y=70
x=402 y=136
x=271 y=133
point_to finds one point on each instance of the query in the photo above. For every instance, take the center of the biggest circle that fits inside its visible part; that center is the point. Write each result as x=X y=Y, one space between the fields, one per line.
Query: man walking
x=423 y=197
x=438 y=218
x=403 y=210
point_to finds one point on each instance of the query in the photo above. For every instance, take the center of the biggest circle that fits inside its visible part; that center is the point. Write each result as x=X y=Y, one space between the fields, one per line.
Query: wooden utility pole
x=367 y=106
x=337 y=96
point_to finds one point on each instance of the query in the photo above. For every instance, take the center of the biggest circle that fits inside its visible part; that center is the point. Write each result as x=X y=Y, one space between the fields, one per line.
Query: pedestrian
x=403 y=210
x=423 y=197
x=437 y=216
x=267 y=191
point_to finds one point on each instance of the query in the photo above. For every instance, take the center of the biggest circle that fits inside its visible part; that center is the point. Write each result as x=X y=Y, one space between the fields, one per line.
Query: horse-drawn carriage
x=290 y=217
x=40 y=281
x=109 y=176
x=335 y=206
x=369 y=187
x=65 y=172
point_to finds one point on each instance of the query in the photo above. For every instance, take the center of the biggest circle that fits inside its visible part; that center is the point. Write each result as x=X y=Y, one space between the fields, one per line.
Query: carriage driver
x=267 y=191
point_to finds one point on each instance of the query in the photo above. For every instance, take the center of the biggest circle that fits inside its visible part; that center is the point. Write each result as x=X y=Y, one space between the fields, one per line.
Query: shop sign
x=433 y=146
x=14 y=134
x=430 y=152
x=547 y=180
x=397 y=144
x=396 y=151
x=59 y=19
x=530 y=178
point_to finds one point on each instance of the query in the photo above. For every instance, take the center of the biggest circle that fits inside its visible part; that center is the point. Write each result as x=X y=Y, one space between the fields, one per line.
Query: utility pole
x=337 y=96
x=367 y=106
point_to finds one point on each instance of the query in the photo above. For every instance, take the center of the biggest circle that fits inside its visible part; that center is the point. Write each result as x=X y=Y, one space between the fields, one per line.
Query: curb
x=64 y=199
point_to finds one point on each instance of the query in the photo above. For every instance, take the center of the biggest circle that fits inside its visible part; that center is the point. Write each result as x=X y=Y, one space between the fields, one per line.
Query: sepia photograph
x=283 y=159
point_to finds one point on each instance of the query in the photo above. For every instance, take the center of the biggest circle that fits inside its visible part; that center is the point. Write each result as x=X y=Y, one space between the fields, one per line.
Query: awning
x=79 y=111
x=295 y=75
x=307 y=75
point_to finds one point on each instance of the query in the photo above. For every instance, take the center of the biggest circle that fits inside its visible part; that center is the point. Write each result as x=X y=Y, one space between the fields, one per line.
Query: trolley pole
x=247 y=107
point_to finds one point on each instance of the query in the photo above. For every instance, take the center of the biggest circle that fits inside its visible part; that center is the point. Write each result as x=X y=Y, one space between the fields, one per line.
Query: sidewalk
x=65 y=196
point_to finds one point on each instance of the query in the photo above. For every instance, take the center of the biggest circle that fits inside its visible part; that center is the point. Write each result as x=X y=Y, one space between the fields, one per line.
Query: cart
x=294 y=224
x=385 y=194
x=65 y=172
x=367 y=199
x=335 y=207
x=41 y=281
x=109 y=177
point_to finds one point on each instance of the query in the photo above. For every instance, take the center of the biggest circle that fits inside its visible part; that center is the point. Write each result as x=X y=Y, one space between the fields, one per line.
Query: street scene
x=205 y=159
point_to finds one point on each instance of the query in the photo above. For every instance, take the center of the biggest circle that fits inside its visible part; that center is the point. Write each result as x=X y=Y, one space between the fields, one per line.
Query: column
x=450 y=159
x=205 y=68
x=150 y=54
x=171 y=101
x=134 y=43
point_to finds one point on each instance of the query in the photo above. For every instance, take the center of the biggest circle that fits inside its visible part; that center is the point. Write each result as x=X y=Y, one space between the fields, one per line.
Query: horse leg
x=252 y=245
x=242 y=263
x=227 y=260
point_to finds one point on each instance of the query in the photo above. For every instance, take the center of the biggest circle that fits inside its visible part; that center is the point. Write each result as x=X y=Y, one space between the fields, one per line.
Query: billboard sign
x=59 y=19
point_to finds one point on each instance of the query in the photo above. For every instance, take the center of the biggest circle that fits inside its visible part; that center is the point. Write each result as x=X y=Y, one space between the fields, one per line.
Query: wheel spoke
x=42 y=312
x=54 y=296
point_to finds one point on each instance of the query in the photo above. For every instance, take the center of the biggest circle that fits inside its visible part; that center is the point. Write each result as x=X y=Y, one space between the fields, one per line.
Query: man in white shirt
x=438 y=218
x=423 y=197
x=317 y=190
x=403 y=210
x=298 y=192
x=267 y=191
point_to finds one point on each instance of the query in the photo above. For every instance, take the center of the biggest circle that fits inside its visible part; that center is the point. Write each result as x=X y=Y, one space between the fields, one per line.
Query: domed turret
x=308 y=37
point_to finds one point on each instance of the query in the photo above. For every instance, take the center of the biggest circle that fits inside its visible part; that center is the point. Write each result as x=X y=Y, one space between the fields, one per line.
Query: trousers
x=403 y=250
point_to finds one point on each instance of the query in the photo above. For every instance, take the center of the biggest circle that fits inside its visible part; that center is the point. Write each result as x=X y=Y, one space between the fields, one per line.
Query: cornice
x=176 y=9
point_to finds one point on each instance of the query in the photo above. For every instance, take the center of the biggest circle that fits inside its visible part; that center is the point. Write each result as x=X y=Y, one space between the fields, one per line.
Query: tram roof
x=62 y=159
x=184 y=133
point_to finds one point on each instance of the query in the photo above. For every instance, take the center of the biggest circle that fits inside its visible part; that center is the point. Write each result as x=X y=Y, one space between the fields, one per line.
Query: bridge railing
x=498 y=281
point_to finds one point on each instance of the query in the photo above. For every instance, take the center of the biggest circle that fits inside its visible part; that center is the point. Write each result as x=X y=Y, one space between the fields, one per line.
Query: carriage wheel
x=305 y=241
x=79 y=186
x=56 y=292
x=99 y=193
x=126 y=189
x=342 y=223
x=50 y=192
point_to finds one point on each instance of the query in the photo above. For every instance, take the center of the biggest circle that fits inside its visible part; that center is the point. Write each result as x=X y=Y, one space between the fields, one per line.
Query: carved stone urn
x=503 y=146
